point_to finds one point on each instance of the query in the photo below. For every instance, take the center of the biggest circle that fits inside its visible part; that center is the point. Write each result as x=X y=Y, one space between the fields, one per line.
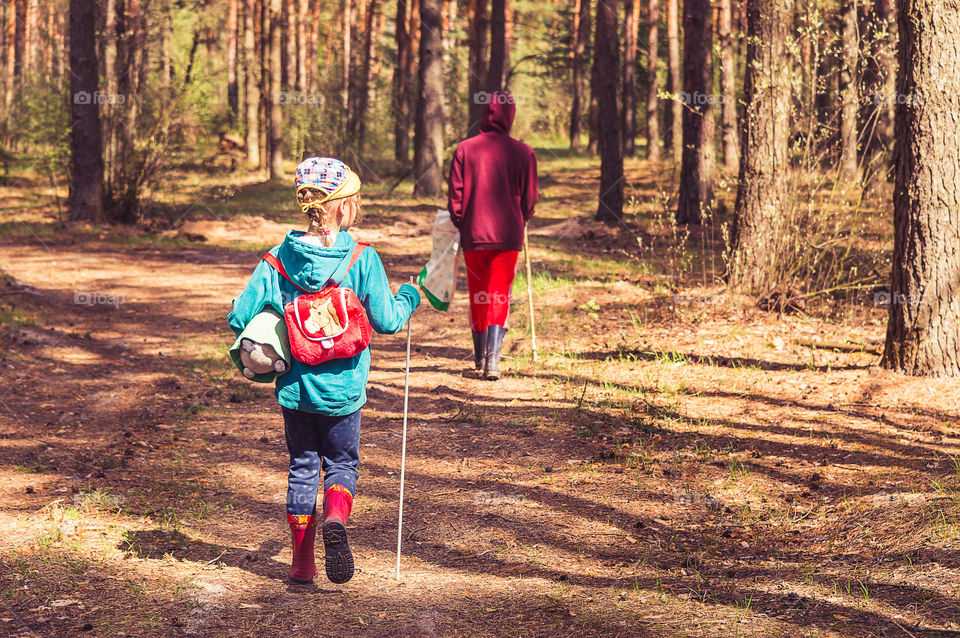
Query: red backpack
x=346 y=331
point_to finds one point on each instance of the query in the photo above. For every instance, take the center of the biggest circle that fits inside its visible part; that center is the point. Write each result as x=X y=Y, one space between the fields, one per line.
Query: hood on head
x=499 y=112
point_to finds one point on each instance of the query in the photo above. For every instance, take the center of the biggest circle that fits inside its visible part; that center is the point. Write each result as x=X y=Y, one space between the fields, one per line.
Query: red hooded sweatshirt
x=493 y=182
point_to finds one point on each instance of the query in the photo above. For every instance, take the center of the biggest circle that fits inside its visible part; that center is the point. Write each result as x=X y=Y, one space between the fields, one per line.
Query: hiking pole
x=403 y=453
x=533 y=328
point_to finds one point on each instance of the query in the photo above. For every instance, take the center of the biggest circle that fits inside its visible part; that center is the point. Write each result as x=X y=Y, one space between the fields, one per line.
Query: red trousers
x=489 y=279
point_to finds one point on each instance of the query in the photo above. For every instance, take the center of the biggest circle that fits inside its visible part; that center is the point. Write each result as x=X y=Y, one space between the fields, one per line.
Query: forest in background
x=796 y=100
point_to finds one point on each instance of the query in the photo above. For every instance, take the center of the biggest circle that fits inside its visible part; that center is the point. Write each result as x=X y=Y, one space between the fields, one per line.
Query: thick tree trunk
x=628 y=123
x=728 y=87
x=848 y=91
x=923 y=330
x=276 y=114
x=86 y=196
x=653 y=101
x=761 y=221
x=401 y=102
x=697 y=165
x=606 y=72
x=477 y=80
x=674 y=116
x=251 y=66
x=498 y=45
x=581 y=37
x=233 y=93
x=428 y=136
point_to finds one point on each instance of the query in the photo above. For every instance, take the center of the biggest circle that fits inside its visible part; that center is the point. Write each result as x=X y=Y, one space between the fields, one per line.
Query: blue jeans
x=315 y=442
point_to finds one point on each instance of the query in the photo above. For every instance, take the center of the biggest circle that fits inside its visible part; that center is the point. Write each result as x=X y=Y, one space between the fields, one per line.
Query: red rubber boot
x=337 y=503
x=303 y=533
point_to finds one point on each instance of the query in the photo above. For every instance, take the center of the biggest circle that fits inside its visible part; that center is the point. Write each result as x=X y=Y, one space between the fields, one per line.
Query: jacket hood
x=310 y=265
x=499 y=112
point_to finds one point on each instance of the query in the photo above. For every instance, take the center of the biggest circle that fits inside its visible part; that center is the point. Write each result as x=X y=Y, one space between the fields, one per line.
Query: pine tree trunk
x=498 y=45
x=166 y=66
x=728 y=87
x=674 y=116
x=653 y=101
x=593 y=113
x=347 y=58
x=761 y=220
x=477 y=80
x=428 y=136
x=313 y=40
x=251 y=66
x=263 y=49
x=876 y=118
x=631 y=12
x=581 y=37
x=276 y=114
x=302 y=44
x=364 y=85
x=288 y=39
x=923 y=329
x=606 y=73
x=696 y=165
x=233 y=96
x=886 y=14
x=412 y=74
x=509 y=10
x=848 y=91
x=86 y=197
x=10 y=70
x=31 y=37
x=51 y=43
x=401 y=103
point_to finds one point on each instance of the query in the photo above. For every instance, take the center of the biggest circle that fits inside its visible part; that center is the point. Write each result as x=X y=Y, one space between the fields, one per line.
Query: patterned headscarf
x=328 y=175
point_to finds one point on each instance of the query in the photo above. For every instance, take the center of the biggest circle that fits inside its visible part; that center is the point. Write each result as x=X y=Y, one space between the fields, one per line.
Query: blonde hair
x=323 y=214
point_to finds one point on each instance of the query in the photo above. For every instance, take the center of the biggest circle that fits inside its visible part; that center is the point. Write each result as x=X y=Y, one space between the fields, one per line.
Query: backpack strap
x=353 y=259
x=278 y=265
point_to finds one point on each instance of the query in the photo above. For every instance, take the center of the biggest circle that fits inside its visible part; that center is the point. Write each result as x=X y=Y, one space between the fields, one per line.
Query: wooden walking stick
x=403 y=453
x=533 y=327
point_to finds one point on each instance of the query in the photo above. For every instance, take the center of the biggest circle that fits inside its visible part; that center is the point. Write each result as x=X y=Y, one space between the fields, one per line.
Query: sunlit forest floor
x=679 y=462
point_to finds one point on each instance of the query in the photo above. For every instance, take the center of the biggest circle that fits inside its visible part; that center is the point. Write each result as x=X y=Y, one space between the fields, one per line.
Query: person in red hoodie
x=491 y=196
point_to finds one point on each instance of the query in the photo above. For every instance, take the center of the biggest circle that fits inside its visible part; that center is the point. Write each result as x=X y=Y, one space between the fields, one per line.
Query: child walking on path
x=321 y=404
x=491 y=196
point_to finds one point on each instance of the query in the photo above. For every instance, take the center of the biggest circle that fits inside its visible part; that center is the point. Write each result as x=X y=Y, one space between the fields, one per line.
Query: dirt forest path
x=691 y=469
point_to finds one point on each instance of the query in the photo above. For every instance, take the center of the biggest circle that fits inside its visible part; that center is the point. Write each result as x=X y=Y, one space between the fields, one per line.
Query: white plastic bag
x=438 y=279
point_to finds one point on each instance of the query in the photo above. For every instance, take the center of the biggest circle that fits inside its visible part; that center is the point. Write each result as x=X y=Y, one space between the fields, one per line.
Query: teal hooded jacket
x=336 y=387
